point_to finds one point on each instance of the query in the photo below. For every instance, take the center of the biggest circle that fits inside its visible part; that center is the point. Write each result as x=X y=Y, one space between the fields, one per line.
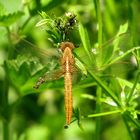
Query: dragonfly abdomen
x=67 y=62
x=68 y=96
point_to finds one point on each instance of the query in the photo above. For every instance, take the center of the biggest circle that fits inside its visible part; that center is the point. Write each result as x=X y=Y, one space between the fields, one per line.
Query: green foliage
x=58 y=28
x=7 y=20
x=85 y=40
x=2 y=9
x=106 y=80
x=21 y=70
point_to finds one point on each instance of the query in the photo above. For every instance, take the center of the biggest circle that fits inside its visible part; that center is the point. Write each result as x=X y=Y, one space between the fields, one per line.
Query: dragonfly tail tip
x=35 y=87
x=66 y=126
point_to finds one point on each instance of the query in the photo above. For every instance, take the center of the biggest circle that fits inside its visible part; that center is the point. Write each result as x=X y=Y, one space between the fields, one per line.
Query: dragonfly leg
x=48 y=77
x=40 y=81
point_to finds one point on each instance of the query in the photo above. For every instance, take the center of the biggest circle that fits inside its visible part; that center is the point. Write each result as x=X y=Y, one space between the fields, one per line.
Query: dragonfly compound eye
x=65 y=45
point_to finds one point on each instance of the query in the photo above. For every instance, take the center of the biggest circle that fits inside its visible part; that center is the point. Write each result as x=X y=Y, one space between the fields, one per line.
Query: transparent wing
x=49 y=76
x=25 y=47
x=117 y=59
x=110 y=49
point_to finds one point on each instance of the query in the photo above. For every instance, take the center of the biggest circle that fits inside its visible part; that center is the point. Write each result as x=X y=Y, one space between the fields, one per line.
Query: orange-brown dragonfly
x=67 y=69
x=67 y=64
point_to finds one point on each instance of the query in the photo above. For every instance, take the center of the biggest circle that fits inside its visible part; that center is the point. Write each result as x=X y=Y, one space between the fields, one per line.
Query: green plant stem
x=98 y=110
x=25 y=23
x=99 y=89
x=99 y=16
x=132 y=22
x=10 y=48
x=134 y=121
x=128 y=128
x=5 y=130
x=5 y=105
x=104 y=87
x=104 y=114
x=133 y=88
x=122 y=56
x=28 y=19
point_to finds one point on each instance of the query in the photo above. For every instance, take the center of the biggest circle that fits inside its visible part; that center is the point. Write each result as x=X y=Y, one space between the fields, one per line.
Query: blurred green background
x=29 y=114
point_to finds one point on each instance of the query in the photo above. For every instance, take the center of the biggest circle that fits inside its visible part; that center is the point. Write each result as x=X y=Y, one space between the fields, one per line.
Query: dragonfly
x=68 y=68
x=67 y=64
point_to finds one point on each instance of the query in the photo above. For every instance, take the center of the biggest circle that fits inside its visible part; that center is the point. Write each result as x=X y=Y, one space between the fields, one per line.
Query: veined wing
x=49 y=53
x=24 y=46
x=49 y=76
x=116 y=61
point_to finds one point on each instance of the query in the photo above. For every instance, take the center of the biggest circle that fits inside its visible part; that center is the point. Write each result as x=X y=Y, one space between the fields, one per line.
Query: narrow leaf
x=85 y=40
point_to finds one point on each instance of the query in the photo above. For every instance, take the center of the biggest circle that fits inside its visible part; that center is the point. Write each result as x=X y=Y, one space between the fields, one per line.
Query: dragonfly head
x=65 y=45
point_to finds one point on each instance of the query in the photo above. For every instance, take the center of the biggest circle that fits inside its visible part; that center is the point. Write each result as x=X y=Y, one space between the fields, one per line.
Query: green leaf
x=123 y=29
x=81 y=66
x=85 y=40
x=77 y=115
x=123 y=83
x=7 y=20
x=2 y=10
x=42 y=22
x=20 y=71
x=129 y=91
x=24 y=71
x=17 y=75
x=110 y=51
x=107 y=54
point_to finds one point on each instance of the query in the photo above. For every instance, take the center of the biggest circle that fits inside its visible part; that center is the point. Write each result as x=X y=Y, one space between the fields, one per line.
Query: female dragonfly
x=67 y=64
